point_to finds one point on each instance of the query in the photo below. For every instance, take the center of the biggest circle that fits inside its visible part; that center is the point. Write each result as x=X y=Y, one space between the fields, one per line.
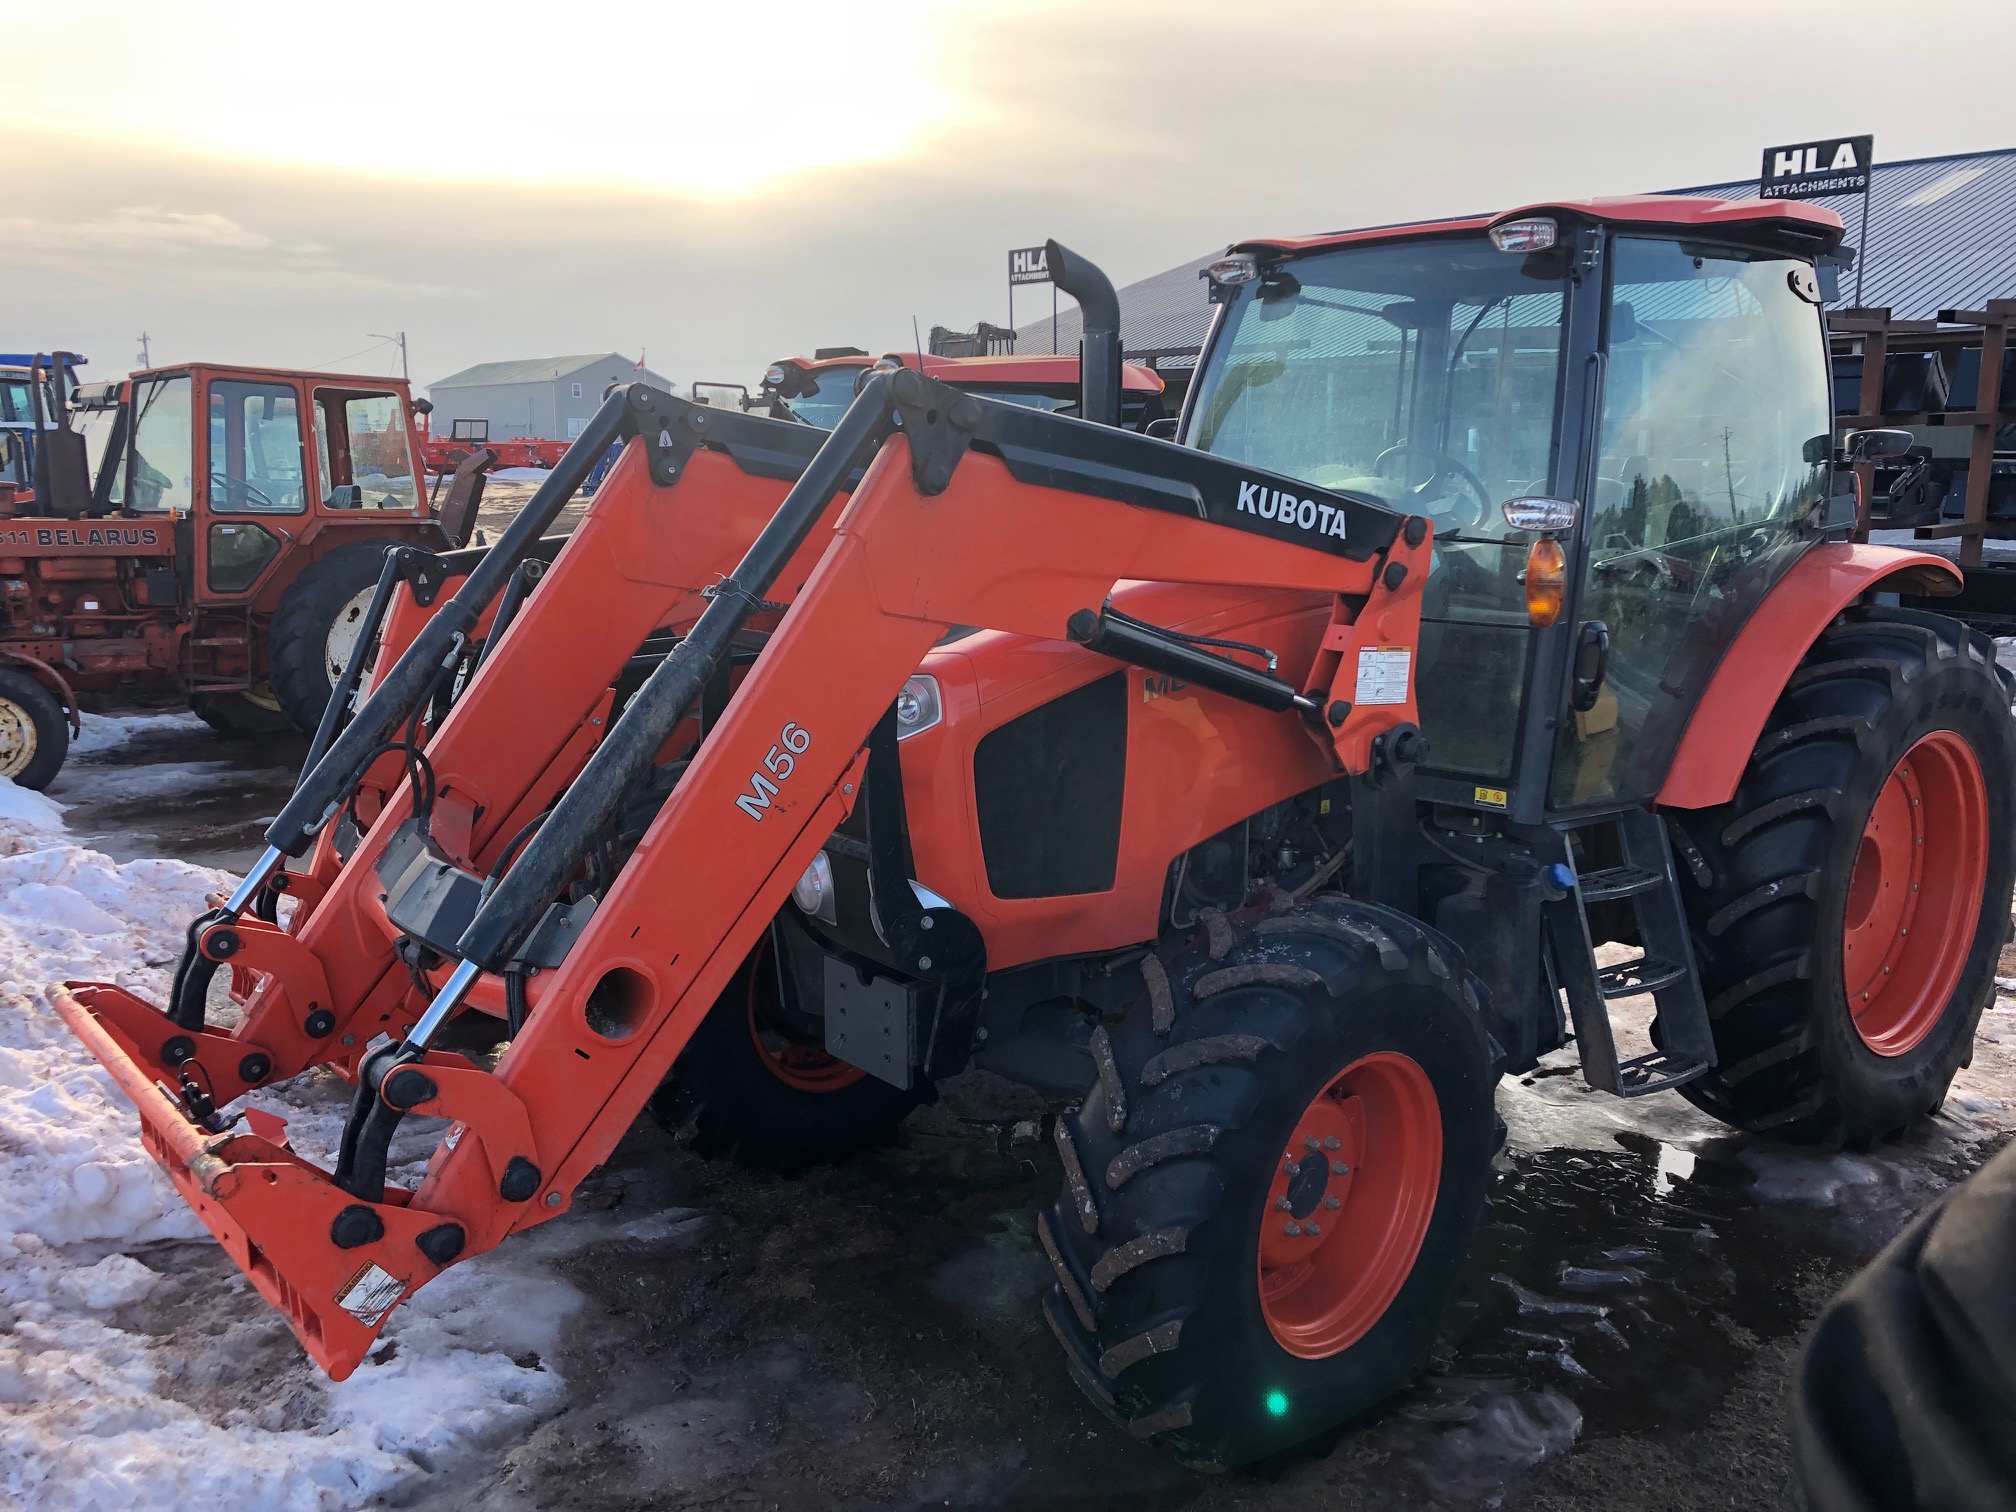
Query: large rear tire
x=1850 y=903
x=756 y=1092
x=34 y=731
x=318 y=627
x=1273 y=1185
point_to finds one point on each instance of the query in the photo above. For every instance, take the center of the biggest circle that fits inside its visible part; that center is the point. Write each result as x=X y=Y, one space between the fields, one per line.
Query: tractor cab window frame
x=156 y=468
x=256 y=455
x=1697 y=490
x=364 y=451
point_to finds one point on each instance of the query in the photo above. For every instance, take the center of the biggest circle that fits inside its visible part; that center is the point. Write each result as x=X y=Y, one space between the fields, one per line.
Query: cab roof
x=280 y=375
x=1793 y=223
x=1136 y=377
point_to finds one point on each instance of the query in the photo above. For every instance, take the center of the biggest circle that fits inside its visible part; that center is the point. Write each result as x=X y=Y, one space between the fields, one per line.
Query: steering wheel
x=1433 y=489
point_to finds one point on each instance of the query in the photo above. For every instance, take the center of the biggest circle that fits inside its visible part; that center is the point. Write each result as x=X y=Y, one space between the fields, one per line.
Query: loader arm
x=969 y=513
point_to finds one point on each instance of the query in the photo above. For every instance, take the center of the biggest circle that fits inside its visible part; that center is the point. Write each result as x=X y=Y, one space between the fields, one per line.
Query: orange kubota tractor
x=1268 y=794
x=225 y=544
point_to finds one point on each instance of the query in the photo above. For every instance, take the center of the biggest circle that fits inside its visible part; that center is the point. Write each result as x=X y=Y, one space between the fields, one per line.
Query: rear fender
x=1726 y=723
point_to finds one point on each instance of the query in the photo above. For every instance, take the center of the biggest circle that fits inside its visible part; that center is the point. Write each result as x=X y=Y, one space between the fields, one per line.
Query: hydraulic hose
x=394 y=698
x=593 y=800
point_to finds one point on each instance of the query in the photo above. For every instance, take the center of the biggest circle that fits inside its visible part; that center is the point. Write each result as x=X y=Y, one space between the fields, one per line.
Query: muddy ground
x=869 y=1336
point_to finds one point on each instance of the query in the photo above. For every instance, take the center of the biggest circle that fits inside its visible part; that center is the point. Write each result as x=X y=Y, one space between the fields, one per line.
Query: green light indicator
x=1277 y=1403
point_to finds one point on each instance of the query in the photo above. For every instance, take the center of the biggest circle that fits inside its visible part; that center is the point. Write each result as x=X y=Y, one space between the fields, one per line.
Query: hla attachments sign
x=1027 y=265
x=1815 y=170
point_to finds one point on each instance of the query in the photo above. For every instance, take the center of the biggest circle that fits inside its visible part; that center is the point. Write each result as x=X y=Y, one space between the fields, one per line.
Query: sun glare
x=716 y=100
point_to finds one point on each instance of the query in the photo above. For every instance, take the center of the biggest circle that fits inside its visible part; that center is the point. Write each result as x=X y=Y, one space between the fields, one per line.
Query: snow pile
x=108 y=732
x=100 y=1410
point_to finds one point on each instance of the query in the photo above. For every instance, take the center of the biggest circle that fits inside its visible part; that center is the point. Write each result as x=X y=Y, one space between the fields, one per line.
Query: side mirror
x=1163 y=429
x=423 y=406
x=1817 y=450
x=1870 y=445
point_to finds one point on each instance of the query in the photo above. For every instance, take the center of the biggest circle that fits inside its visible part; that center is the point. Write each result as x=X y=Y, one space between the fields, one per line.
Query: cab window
x=256 y=460
x=157 y=473
x=364 y=451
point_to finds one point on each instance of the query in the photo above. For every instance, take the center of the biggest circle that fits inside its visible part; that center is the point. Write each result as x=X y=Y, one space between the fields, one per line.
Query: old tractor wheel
x=34 y=731
x=1851 y=901
x=1272 y=1186
x=241 y=715
x=759 y=1091
x=318 y=626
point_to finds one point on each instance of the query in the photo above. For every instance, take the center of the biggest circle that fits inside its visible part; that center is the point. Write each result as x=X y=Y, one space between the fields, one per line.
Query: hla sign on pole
x=1817 y=170
x=1028 y=265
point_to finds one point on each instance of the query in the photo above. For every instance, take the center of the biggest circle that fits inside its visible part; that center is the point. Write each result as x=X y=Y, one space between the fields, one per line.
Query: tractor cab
x=246 y=461
x=1615 y=415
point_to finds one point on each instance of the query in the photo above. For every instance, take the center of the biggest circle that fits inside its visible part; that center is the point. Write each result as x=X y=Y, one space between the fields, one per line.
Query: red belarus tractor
x=1267 y=795
x=227 y=544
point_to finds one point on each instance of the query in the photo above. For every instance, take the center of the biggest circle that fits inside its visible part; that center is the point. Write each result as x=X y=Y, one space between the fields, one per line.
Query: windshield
x=1422 y=374
x=1426 y=375
x=827 y=393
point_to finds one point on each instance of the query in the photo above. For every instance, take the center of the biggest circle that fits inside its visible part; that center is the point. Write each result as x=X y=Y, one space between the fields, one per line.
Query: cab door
x=1715 y=386
x=253 y=462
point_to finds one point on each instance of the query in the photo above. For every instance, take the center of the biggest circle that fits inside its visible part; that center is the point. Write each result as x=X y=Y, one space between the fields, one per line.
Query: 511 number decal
x=777 y=767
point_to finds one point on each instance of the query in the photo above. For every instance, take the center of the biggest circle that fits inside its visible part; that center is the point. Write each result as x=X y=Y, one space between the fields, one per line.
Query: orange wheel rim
x=1349 y=1205
x=1914 y=895
x=797 y=1062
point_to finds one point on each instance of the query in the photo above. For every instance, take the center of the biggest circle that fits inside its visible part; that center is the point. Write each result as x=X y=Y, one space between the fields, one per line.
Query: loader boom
x=1037 y=522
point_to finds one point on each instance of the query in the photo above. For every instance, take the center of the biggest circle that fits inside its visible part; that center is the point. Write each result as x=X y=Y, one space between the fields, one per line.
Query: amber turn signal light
x=1546 y=582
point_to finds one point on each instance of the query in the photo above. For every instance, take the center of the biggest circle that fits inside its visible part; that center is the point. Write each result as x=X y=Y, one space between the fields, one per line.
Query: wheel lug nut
x=1338 y=1168
x=1312 y=1143
x=1314 y=1227
x=1284 y=1204
x=1330 y=1143
x=1333 y=1202
x=1292 y=1230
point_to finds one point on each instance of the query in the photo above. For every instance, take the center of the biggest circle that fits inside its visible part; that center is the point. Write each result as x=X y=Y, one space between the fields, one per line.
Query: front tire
x=756 y=1092
x=319 y=626
x=34 y=731
x=239 y=715
x=1856 y=892
x=1273 y=1185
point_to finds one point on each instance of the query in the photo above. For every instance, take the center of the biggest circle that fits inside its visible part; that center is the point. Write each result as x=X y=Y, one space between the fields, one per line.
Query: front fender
x=1724 y=727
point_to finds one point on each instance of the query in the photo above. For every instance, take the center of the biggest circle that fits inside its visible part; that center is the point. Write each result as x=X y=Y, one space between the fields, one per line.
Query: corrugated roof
x=526 y=370
x=1942 y=232
x=1942 y=235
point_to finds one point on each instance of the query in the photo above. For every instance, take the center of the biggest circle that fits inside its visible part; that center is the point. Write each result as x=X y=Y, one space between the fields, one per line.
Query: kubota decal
x=780 y=763
x=1303 y=514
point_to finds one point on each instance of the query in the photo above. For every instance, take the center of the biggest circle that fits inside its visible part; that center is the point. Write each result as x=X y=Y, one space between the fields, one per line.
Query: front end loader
x=1264 y=797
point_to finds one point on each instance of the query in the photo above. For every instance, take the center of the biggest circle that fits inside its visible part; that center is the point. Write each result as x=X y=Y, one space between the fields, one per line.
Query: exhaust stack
x=1099 y=341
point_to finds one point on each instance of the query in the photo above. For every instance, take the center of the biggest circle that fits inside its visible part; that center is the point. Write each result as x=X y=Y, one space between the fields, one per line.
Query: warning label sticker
x=1382 y=674
x=370 y=1294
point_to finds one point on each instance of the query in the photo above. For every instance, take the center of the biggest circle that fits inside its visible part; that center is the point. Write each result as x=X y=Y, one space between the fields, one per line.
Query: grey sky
x=1141 y=134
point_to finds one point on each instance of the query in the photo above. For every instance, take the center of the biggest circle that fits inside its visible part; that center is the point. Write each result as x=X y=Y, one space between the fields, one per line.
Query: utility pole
x=401 y=339
x=146 y=361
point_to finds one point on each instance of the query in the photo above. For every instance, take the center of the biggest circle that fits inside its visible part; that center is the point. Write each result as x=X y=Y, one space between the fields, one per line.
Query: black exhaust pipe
x=1099 y=339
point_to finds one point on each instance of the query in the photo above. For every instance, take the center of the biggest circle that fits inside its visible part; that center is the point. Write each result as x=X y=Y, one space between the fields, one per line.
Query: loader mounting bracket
x=939 y=422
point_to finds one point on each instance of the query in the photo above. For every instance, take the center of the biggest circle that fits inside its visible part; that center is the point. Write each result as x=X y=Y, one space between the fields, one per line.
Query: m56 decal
x=777 y=767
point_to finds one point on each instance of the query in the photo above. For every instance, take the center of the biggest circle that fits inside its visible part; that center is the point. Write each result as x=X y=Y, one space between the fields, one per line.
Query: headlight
x=1535 y=235
x=774 y=374
x=814 y=891
x=1239 y=268
x=918 y=706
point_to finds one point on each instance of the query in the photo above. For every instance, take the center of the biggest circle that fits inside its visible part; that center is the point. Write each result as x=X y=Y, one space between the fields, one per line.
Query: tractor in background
x=213 y=529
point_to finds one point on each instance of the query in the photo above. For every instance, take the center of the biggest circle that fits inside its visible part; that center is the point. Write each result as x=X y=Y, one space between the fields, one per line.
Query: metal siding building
x=1942 y=235
x=541 y=396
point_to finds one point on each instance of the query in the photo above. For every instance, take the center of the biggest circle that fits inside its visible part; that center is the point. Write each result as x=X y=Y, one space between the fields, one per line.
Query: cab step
x=1664 y=969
